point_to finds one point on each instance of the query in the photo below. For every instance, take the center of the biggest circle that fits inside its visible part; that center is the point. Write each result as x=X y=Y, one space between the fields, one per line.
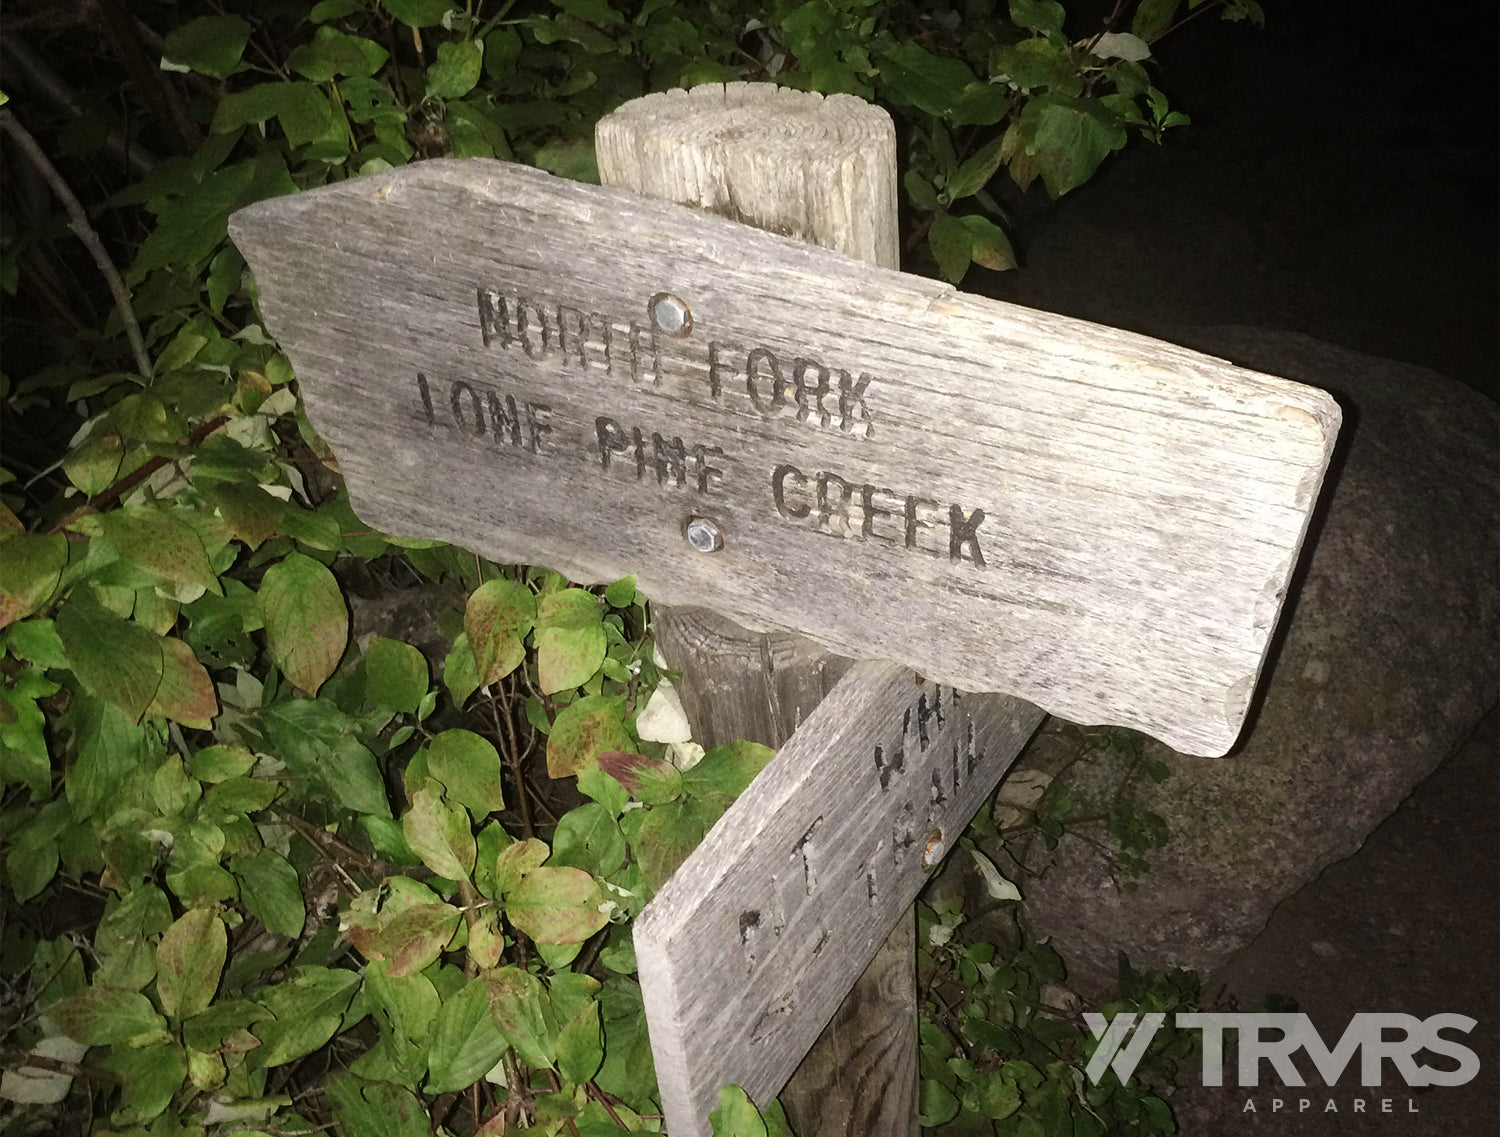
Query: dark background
x=1339 y=179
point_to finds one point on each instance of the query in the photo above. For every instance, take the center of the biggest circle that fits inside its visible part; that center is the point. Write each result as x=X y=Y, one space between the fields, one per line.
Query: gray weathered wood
x=753 y=942
x=860 y=1076
x=1142 y=505
x=823 y=171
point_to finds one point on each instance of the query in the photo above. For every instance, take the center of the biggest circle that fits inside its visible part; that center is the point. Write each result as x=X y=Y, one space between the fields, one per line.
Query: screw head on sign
x=703 y=535
x=932 y=852
x=670 y=314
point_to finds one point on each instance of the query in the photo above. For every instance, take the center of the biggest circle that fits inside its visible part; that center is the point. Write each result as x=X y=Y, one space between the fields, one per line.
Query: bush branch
x=80 y=225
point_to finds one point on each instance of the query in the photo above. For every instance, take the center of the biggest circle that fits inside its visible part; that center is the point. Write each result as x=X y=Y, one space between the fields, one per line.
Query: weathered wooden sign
x=1000 y=499
x=750 y=946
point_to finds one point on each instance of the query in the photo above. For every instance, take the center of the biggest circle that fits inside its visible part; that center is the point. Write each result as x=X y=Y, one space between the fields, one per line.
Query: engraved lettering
x=765 y=357
x=704 y=471
x=426 y=397
x=602 y=333
x=572 y=334
x=810 y=396
x=903 y=831
x=778 y=491
x=494 y=318
x=537 y=425
x=455 y=403
x=870 y=511
x=828 y=510
x=670 y=459
x=611 y=439
x=962 y=532
x=889 y=768
x=853 y=410
x=638 y=368
x=503 y=418
x=808 y=851
x=526 y=309
x=719 y=368
x=912 y=521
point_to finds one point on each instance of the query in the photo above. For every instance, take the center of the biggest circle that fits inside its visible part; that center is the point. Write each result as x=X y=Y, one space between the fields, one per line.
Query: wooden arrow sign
x=750 y=946
x=1000 y=499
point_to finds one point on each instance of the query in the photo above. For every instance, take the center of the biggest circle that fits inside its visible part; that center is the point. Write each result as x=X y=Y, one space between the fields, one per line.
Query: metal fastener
x=703 y=535
x=933 y=851
x=670 y=315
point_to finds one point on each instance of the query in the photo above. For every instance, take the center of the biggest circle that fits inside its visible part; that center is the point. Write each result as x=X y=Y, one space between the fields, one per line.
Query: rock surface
x=1387 y=657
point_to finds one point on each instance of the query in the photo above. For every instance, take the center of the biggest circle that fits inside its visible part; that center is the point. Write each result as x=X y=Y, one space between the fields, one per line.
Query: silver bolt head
x=703 y=535
x=670 y=315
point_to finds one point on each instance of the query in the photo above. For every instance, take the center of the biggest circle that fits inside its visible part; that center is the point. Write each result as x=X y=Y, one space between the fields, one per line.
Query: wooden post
x=822 y=170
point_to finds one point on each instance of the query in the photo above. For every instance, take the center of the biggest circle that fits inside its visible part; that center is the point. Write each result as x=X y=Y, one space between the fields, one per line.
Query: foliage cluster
x=266 y=874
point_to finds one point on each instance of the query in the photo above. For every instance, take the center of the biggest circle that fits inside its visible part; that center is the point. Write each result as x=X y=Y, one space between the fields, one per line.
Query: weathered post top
x=1000 y=499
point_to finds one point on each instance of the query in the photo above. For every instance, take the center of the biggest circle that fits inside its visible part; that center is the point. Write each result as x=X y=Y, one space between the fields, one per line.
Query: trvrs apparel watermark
x=1121 y=1048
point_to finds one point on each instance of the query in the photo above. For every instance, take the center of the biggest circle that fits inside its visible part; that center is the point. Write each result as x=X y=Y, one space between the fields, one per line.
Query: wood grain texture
x=1014 y=501
x=752 y=944
x=822 y=171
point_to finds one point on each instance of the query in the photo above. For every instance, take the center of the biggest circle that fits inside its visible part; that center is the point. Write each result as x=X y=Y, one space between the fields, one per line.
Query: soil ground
x=1339 y=179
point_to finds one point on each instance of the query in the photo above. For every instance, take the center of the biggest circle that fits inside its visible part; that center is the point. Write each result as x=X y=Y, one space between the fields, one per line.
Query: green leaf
x=522 y=1013
x=594 y=11
x=101 y=1016
x=496 y=619
x=977 y=170
x=308 y=1008
x=937 y=1106
x=589 y=838
x=36 y=641
x=933 y=83
x=326 y=10
x=572 y=158
x=728 y=769
x=23 y=740
x=580 y=1045
x=556 y=905
x=628 y=1071
x=1070 y=137
x=1038 y=15
x=95 y=463
x=584 y=729
x=189 y=960
x=1153 y=17
x=150 y=1076
x=114 y=659
x=333 y=53
x=395 y=675
x=30 y=566
x=377 y=1109
x=456 y=70
x=1038 y=63
x=417 y=13
x=220 y=763
x=570 y=639
x=186 y=692
x=439 y=833
x=416 y=936
x=30 y=865
x=318 y=742
x=209 y=45
x=516 y=860
x=991 y=246
x=982 y=104
x=271 y=891
x=466 y=1041
x=736 y=1115
x=952 y=244
x=621 y=594
x=307 y=624
x=669 y=833
x=460 y=672
x=469 y=769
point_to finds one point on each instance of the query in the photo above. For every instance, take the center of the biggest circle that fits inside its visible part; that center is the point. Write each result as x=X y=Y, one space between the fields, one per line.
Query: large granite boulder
x=1386 y=658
